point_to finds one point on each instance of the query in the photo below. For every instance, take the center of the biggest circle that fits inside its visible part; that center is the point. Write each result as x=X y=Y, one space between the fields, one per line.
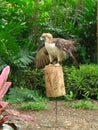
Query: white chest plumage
x=52 y=49
x=54 y=52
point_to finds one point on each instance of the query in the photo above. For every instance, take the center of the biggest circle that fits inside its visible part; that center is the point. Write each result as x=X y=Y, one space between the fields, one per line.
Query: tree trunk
x=54 y=80
x=97 y=32
x=35 y=22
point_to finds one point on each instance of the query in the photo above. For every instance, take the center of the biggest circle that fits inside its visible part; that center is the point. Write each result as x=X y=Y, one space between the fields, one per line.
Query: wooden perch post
x=54 y=80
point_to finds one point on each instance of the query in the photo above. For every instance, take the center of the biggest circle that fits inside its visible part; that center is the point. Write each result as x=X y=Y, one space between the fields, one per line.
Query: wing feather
x=42 y=57
x=63 y=44
x=68 y=46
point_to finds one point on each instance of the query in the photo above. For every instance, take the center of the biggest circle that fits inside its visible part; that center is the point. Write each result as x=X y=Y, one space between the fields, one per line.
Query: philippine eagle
x=52 y=48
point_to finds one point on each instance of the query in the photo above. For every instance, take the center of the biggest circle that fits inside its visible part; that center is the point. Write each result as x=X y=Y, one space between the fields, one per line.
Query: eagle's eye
x=42 y=38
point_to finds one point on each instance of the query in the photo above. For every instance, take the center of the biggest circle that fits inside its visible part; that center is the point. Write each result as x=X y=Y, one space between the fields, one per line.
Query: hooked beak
x=42 y=38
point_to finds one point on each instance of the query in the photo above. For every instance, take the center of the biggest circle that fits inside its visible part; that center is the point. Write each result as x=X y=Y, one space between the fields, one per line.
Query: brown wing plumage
x=69 y=47
x=65 y=45
x=42 y=57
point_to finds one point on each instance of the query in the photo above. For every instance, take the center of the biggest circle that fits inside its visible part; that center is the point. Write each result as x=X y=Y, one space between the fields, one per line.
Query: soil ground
x=67 y=118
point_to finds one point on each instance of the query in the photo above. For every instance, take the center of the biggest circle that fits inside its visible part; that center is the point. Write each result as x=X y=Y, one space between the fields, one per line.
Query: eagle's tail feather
x=75 y=60
x=73 y=57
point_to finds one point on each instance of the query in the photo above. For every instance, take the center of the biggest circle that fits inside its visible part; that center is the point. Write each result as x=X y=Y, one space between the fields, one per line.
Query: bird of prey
x=55 y=48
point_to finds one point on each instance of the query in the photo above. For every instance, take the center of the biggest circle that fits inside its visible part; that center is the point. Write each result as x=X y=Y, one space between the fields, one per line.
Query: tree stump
x=54 y=80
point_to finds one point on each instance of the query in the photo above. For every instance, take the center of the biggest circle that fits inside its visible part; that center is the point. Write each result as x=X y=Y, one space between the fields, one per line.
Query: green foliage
x=79 y=84
x=70 y=96
x=15 y=45
x=75 y=19
x=23 y=95
x=84 y=82
x=85 y=32
x=29 y=78
x=38 y=80
x=21 y=24
x=35 y=106
x=83 y=104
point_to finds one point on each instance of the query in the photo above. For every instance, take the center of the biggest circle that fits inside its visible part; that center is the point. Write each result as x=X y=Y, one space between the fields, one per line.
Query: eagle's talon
x=50 y=64
x=57 y=64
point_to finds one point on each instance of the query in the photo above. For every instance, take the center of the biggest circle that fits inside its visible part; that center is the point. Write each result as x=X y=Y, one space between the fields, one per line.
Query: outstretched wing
x=65 y=45
x=42 y=57
x=68 y=46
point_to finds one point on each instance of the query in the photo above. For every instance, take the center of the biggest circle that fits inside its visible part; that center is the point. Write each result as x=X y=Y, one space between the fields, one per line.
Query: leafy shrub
x=14 y=39
x=85 y=105
x=79 y=84
x=82 y=104
x=84 y=82
x=38 y=80
x=35 y=106
x=23 y=95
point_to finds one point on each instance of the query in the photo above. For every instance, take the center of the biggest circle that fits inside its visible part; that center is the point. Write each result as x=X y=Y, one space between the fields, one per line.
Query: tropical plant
x=6 y=114
x=4 y=86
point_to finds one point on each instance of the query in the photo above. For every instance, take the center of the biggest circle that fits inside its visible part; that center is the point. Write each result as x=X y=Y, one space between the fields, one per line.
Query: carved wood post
x=54 y=80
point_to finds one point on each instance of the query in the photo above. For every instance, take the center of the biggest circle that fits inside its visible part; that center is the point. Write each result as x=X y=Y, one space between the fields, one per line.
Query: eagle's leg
x=59 y=61
x=51 y=59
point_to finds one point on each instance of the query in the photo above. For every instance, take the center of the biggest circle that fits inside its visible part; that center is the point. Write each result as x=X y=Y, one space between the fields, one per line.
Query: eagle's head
x=47 y=37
